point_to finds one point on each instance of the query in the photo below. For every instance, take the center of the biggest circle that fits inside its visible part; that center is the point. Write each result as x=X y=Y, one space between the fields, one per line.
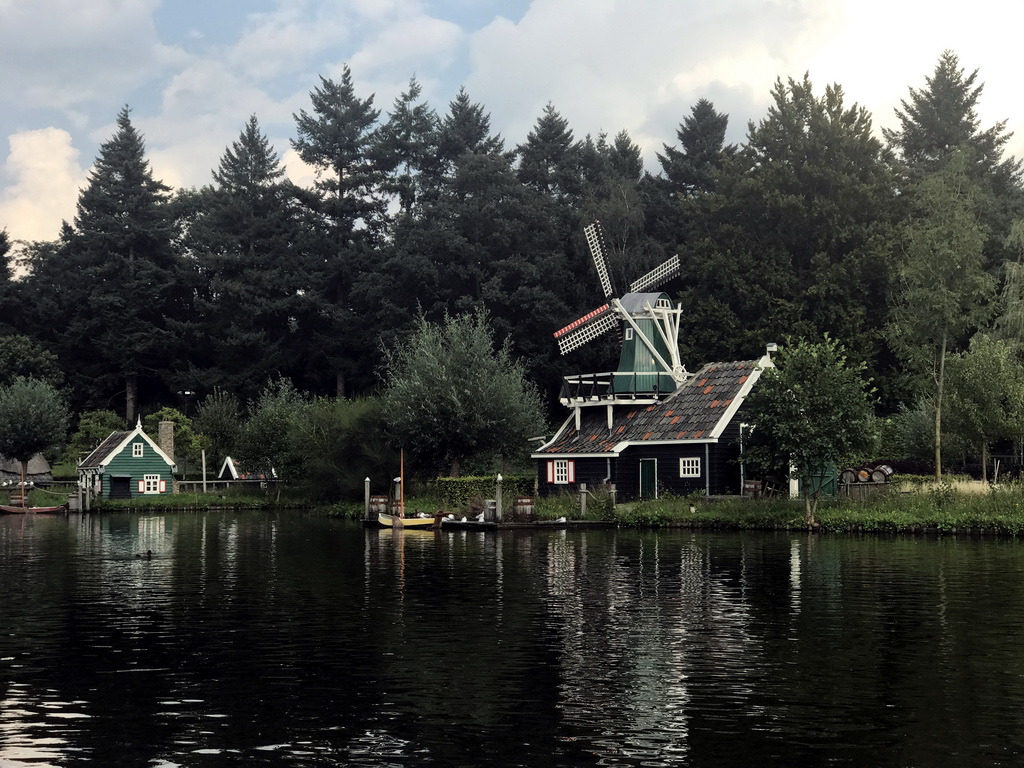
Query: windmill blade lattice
x=594 y=233
x=586 y=329
x=657 y=276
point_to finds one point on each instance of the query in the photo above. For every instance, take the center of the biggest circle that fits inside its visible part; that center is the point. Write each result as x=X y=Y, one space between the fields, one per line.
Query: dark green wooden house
x=127 y=465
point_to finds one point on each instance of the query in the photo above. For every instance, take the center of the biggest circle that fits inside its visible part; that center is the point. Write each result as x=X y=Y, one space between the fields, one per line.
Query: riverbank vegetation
x=942 y=508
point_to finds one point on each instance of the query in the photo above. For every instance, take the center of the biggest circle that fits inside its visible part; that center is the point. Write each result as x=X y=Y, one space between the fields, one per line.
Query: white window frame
x=689 y=466
x=152 y=484
x=137 y=450
x=561 y=471
x=628 y=335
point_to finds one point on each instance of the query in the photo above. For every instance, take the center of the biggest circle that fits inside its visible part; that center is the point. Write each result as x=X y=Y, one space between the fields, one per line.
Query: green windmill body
x=640 y=368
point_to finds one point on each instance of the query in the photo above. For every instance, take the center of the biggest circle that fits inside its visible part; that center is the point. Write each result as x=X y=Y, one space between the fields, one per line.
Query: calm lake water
x=290 y=640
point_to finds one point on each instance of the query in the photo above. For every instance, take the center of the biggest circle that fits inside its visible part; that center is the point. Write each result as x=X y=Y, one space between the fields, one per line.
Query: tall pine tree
x=247 y=243
x=117 y=281
x=338 y=140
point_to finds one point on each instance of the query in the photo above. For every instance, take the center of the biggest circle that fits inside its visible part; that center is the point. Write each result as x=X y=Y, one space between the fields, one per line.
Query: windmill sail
x=648 y=328
x=657 y=276
x=594 y=234
x=586 y=328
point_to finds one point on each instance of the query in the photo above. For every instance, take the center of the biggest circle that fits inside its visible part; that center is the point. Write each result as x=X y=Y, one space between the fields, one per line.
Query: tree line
x=904 y=247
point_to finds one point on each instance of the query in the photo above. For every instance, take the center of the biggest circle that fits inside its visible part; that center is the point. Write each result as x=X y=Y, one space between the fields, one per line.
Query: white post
x=497 y=499
x=366 y=498
x=583 y=500
x=203 y=452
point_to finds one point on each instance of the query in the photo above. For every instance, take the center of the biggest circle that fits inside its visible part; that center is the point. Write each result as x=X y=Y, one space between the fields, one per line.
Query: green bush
x=455 y=493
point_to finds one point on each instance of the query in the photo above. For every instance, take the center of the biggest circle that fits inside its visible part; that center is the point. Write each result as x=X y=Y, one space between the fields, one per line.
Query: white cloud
x=60 y=54
x=46 y=176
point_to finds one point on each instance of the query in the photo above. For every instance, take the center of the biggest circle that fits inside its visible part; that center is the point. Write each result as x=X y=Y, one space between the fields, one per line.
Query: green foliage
x=106 y=295
x=93 y=428
x=797 y=238
x=21 y=356
x=944 y=292
x=450 y=395
x=219 y=420
x=33 y=417
x=335 y=444
x=456 y=492
x=264 y=443
x=188 y=444
x=811 y=411
x=563 y=504
x=249 y=236
x=986 y=395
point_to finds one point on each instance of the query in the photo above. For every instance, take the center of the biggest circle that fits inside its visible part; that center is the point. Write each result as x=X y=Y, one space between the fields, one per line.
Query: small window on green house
x=136 y=450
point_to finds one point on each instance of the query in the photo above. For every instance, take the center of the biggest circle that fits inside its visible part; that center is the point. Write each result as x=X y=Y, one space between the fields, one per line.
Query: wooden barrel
x=864 y=475
x=378 y=504
x=522 y=508
x=848 y=477
x=881 y=473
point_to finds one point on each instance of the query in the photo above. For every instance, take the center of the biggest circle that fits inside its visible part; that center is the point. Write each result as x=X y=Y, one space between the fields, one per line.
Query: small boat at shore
x=7 y=509
x=421 y=523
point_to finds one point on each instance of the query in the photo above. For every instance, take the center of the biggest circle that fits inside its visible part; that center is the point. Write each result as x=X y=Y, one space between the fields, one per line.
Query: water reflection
x=261 y=639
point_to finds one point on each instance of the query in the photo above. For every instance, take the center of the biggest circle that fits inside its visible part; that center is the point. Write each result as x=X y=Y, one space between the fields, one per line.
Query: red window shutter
x=142 y=486
x=551 y=471
x=572 y=471
x=163 y=486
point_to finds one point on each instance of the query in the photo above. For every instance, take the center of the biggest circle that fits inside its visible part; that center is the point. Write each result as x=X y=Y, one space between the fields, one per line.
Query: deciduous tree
x=33 y=417
x=451 y=395
x=810 y=413
x=942 y=291
x=986 y=395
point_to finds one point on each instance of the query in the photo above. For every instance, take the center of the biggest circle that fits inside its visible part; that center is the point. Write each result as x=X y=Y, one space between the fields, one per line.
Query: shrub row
x=457 y=492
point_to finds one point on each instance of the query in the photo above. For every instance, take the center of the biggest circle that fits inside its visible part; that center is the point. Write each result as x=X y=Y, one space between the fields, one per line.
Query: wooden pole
x=401 y=483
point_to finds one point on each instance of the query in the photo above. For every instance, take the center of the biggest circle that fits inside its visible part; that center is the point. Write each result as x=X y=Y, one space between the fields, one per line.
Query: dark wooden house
x=687 y=441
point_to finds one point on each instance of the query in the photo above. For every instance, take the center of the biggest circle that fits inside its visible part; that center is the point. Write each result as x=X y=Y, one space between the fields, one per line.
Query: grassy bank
x=940 y=510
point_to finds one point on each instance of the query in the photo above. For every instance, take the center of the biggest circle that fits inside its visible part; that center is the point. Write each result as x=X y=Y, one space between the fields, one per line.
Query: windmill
x=648 y=323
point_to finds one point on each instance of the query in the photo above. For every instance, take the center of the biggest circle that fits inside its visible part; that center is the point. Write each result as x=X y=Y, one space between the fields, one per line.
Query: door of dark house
x=648 y=478
x=120 y=487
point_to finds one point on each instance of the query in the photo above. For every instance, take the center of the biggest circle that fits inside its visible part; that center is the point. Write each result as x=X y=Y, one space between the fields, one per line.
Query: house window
x=689 y=467
x=628 y=334
x=137 y=450
x=561 y=471
x=151 y=484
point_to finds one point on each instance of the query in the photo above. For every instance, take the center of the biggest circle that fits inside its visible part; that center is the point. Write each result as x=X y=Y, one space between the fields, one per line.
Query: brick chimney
x=166 y=438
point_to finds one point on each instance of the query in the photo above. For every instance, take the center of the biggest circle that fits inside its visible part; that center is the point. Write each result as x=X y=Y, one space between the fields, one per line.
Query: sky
x=193 y=71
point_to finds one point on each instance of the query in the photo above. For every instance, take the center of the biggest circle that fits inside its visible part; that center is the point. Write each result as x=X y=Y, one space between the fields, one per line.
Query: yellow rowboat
x=421 y=523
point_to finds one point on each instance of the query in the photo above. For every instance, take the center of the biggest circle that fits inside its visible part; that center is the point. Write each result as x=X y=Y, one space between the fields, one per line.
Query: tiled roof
x=691 y=413
x=95 y=459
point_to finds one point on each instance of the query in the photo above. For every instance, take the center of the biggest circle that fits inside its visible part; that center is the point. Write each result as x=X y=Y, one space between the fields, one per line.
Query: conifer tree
x=116 y=279
x=338 y=140
x=248 y=246
x=406 y=148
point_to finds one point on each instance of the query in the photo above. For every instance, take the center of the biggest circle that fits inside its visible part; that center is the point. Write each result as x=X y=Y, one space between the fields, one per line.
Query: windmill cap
x=635 y=303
